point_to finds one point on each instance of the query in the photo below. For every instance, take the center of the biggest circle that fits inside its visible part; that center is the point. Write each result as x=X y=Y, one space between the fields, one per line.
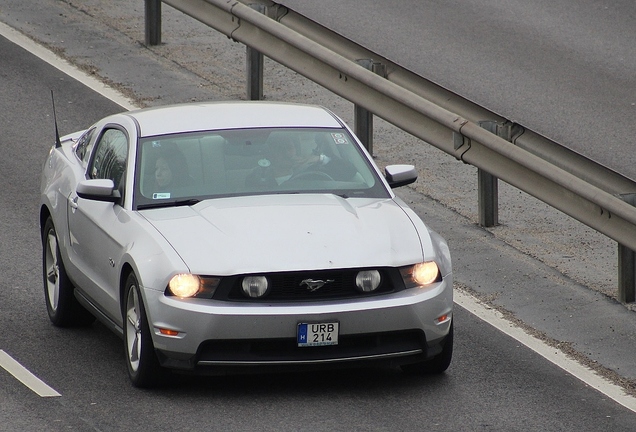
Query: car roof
x=230 y=115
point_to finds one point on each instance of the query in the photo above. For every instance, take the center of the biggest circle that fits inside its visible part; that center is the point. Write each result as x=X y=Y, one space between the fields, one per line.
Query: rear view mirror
x=98 y=190
x=400 y=175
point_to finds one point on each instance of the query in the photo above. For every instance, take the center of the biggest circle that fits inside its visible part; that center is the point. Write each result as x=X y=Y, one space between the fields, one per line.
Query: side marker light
x=442 y=319
x=168 y=332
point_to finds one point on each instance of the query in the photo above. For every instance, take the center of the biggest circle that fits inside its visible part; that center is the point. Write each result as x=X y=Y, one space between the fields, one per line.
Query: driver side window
x=111 y=152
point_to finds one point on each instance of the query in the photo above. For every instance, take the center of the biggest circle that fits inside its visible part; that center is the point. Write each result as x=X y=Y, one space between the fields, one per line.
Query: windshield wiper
x=176 y=203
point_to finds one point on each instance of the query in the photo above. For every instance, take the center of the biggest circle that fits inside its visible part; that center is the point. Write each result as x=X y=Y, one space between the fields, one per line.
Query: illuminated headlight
x=255 y=286
x=421 y=274
x=185 y=285
x=368 y=280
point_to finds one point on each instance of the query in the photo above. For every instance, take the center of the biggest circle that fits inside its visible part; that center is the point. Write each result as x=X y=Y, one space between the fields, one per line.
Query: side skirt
x=103 y=318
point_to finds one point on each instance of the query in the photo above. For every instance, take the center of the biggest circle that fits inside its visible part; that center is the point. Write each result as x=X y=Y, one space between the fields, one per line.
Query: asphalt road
x=494 y=383
x=565 y=69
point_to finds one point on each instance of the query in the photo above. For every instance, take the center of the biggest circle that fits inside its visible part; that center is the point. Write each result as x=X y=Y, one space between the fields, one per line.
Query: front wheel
x=63 y=308
x=437 y=364
x=143 y=367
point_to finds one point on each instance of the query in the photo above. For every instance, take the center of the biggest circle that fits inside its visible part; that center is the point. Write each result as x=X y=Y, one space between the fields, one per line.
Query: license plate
x=317 y=334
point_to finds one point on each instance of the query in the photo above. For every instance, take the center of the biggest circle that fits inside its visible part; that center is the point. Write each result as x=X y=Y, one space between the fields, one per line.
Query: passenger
x=171 y=171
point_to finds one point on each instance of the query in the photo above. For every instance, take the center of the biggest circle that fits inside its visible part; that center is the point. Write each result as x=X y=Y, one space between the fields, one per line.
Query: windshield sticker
x=161 y=195
x=339 y=138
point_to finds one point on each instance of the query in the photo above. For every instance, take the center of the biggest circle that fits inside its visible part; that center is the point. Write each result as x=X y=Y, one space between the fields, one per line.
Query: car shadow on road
x=361 y=380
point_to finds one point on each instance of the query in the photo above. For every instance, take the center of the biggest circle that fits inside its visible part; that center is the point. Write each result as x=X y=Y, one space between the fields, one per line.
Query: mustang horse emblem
x=313 y=285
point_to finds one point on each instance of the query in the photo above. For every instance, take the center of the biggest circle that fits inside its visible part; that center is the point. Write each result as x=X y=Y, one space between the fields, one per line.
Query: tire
x=437 y=364
x=144 y=369
x=63 y=308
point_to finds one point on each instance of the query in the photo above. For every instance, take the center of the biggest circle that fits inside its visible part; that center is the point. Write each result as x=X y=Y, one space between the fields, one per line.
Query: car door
x=97 y=242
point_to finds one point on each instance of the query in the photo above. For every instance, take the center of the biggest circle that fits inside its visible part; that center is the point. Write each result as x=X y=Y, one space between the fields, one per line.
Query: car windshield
x=190 y=167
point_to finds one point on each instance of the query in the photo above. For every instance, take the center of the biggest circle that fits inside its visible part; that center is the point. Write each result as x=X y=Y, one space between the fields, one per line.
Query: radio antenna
x=58 y=143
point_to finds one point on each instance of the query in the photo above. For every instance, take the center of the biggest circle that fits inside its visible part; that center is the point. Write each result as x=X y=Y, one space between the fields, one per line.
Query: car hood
x=289 y=232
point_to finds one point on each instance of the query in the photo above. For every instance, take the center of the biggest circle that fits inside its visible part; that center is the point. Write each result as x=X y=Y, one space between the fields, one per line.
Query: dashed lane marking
x=23 y=375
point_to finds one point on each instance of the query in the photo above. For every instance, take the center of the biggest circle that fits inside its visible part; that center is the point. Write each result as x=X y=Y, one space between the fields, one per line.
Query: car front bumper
x=400 y=327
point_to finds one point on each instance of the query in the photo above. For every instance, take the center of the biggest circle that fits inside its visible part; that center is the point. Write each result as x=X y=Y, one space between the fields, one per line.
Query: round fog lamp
x=368 y=280
x=255 y=286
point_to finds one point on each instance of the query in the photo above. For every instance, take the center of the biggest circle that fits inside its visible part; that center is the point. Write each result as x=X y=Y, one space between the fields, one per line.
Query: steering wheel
x=310 y=175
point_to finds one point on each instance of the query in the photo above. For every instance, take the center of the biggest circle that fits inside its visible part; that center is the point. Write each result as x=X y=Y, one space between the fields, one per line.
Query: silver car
x=230 y=235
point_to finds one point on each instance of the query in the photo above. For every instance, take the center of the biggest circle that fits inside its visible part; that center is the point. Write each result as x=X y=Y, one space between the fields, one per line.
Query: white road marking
x=23 y=375
x=89 y=81
x=553 y=355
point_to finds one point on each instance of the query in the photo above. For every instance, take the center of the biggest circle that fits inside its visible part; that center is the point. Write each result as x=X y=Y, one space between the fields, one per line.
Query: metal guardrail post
x=153 y=22
x=488 y=185
x=254 y=74
x=363 y=118
x=255 y=65
x=488 y=198
x=627 y=265
x=488 y=188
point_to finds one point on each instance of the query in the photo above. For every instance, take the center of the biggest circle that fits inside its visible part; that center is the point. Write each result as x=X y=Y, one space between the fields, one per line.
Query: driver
x=286 y=163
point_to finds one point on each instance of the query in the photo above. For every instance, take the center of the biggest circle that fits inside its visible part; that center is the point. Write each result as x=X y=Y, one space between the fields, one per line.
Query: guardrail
x=566 y=180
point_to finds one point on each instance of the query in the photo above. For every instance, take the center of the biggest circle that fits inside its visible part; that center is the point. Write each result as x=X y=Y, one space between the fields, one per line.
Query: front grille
x=288 y=286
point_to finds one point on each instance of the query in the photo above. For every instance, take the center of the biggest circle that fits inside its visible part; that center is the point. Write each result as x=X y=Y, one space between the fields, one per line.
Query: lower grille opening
x=283 y=351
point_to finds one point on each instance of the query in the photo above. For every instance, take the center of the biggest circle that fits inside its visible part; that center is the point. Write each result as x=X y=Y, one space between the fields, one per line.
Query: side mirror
x=98 y=190
x=400 y=175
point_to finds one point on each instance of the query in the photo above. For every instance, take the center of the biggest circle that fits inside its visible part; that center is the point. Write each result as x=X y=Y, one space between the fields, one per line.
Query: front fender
x=149 y=255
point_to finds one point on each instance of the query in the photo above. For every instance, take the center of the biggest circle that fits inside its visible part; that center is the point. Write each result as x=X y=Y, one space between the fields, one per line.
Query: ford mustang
x=228 y=236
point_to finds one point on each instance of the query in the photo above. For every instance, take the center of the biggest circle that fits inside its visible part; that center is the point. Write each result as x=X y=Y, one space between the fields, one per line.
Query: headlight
x=368 y=280
x=421 y=274
x=255 y=286
x=185 y=285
